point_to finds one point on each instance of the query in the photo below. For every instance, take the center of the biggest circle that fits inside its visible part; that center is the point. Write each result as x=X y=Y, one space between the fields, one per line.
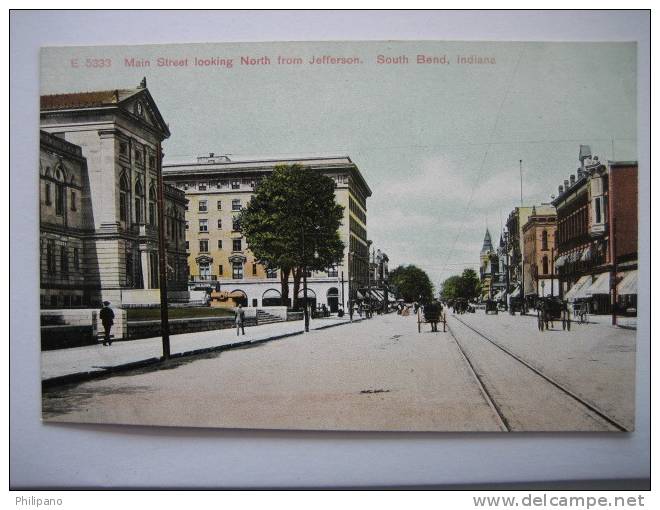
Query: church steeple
x=488 y=244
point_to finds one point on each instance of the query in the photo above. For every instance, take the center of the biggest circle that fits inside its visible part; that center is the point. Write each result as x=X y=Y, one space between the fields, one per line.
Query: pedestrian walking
x=239 y=319
x=350 y=310
x=107 y=319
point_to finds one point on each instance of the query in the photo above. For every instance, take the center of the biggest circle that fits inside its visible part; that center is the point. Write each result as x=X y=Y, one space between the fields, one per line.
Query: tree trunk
x=297 y=276
x=284 y=281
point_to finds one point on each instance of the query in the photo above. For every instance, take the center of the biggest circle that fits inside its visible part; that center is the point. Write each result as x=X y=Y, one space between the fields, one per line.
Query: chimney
x=572 y=180
x=560 y=189
x=211 y=154
x=566 y=184
x=579 y=173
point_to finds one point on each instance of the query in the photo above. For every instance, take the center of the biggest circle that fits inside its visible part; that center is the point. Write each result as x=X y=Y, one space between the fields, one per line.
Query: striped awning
x=601 y=285
x=628 y=284
x=578 y=291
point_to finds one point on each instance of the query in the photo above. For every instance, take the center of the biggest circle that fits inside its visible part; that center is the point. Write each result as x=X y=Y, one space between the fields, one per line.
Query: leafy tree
x=292 y=222
x=471 y=287
x=451 y=287
x=412 y=284
x=466 y=286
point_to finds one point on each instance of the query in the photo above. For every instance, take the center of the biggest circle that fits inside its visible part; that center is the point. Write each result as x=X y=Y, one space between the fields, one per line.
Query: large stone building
x=100 y=160
x=538 y=255
x=597 y=234
x=218 y=188
x=515 y=245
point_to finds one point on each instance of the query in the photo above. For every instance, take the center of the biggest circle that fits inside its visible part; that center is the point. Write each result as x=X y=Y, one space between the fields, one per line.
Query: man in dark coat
x=107 y=319
x=239 y=319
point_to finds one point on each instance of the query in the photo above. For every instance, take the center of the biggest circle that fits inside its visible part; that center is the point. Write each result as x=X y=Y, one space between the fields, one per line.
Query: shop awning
x=375 y=294
x=628 y=284
x=577 y=291
x=561 y=260
x=586 y=255
x=498 y=296
x=600 y=286
x=516 y=292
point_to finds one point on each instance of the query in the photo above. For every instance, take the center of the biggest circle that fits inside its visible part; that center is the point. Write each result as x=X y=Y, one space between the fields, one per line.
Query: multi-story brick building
x=539 y=249
x=99 y=167
x=515 y=244
x=218 y=188
x=596 y=218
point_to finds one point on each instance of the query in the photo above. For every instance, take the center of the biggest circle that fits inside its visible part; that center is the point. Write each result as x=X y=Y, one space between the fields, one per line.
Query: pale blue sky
x=438 y=144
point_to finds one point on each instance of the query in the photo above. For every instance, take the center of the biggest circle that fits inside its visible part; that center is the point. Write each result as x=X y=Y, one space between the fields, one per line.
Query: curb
x=99 y=374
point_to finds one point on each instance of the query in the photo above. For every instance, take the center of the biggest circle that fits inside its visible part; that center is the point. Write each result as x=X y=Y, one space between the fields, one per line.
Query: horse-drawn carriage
x=432 y=313
x=491 y=306
x=462 y=305
x=550 y=309
x=515 y=305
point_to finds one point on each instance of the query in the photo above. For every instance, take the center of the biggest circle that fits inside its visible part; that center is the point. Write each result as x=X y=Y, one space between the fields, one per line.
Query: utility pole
x=162 y=258
x=506 y=292
x=522 y=254
x=304 y=266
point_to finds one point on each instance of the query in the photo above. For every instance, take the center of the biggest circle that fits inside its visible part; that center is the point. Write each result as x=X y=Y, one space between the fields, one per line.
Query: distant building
x=99 y=164
x=489 y=273
x=218 y=188
x=597 y=234
x=514 y=225
x=539 y=249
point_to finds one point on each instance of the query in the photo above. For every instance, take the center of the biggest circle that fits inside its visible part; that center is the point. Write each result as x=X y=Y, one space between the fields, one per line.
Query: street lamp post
x=343 y=303
x=506 y=291
x=369 y=281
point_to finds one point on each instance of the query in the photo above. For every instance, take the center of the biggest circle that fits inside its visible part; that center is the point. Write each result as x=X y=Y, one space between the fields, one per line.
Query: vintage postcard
x=381 y=236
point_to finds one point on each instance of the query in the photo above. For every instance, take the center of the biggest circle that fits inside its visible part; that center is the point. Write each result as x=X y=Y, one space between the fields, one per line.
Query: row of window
x=138 y=154
x=202 y=205
x=174 y=221
x=221 y=184
x=51 y=258
x=61 y=300
x=357 y=229
x=204 y=224
x=236 y=245
x=356 y=209
x=573 y=226
x=237 y=271
x=60 y=198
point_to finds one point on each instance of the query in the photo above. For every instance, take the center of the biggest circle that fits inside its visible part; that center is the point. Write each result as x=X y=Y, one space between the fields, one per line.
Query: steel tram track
x=493 y=403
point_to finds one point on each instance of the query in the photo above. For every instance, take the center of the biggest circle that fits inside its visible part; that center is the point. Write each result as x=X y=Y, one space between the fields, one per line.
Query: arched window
x=544 y=240
x=60 y=191
x=139 y=202
x=124 y=197
x=152 y=205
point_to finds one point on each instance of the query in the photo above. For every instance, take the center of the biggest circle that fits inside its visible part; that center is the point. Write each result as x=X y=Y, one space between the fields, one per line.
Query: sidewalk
x=603 y=320
x=79 y=363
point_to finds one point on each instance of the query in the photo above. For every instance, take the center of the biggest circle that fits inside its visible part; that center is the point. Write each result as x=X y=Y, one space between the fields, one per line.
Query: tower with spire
x=488 y=266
